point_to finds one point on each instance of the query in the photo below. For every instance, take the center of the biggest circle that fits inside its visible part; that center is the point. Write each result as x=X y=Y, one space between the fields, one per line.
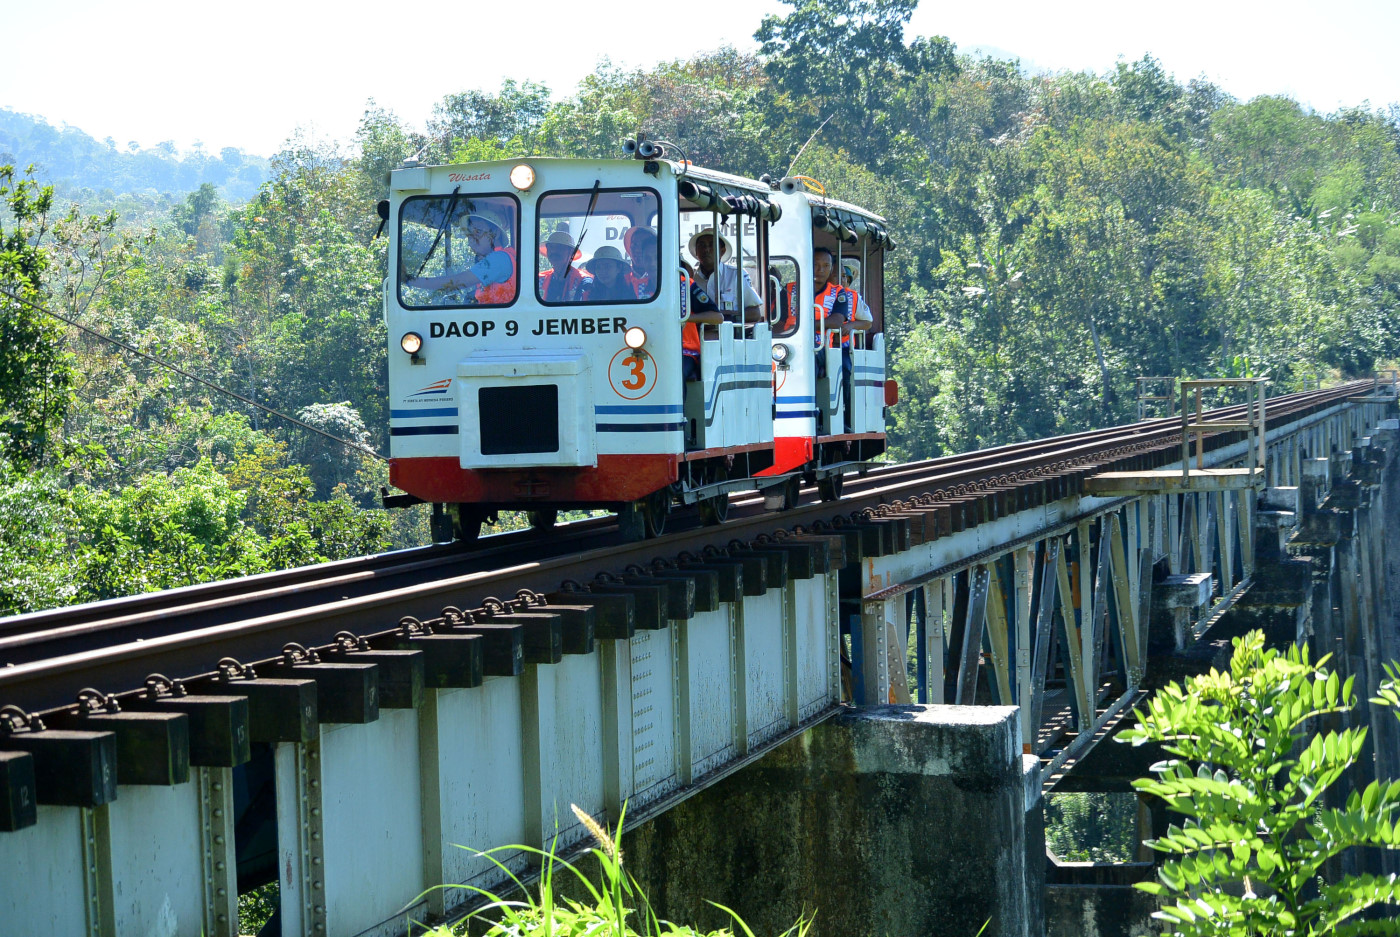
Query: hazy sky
x=247 y=74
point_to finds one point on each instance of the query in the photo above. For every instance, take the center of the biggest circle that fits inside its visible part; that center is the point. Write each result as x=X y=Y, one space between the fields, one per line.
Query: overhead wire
x=194 y=377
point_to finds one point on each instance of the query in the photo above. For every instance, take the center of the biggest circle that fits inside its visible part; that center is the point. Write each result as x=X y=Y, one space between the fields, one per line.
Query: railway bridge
x=852 y=707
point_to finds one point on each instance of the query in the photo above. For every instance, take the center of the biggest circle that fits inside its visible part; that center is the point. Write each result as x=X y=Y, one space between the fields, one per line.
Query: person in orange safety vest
x=561 y=252
x=640 y=243
x=492 y=278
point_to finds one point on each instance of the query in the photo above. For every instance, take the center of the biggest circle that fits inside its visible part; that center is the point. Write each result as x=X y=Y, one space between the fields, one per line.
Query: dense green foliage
x=1090 y=827
x=1254 y=774
x=1059 y=237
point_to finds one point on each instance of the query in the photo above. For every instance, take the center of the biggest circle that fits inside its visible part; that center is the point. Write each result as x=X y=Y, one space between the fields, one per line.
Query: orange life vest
x=497 y=294
x=823 y=307
x=573 y=283
x=789 y=321
x=641 y=285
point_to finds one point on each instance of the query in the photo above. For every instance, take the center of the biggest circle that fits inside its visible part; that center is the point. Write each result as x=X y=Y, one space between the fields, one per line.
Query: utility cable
x=194 y=377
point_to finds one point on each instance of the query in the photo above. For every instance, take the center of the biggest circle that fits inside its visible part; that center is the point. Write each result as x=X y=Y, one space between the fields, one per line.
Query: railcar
x=541 y=312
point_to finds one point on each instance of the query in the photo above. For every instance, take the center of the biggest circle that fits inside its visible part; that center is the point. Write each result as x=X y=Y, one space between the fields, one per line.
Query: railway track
x=47 y=657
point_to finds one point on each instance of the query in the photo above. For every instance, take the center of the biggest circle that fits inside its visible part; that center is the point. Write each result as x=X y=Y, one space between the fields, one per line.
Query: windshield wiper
x=583 y=228
x=446 y=220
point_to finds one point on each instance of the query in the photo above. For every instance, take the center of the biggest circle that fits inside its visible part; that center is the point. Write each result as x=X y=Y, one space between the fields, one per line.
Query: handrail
x=1253 y=422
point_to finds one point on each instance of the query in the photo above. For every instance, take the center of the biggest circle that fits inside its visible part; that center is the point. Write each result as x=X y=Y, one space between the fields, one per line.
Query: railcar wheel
x=543 y=519
x=457 y=522
x=631 y=521
x=656 y=507
x=792 y=493
x=714 y=510
x=829 y=487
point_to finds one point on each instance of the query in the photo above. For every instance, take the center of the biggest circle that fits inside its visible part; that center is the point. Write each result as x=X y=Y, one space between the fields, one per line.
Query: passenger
x=864 y=319
x=703 y=311
x=491 y=280
x=640 y=243
x=833 y=303
x=609 y=271
x=724 y=284
x=559 y=249
x=854 y=318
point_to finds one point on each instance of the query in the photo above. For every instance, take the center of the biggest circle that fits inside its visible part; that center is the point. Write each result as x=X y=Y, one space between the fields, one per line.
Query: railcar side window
x=784 y=306
x=695 y=223
x=597 y=247
x=458 y=250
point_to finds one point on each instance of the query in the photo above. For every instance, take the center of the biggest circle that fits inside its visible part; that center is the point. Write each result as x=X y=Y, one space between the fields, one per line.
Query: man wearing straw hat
x=491 y=280
x=723 y=283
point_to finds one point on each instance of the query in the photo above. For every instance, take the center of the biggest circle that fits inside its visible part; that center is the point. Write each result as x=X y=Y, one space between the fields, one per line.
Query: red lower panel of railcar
x=615 y=478
x=789 y=454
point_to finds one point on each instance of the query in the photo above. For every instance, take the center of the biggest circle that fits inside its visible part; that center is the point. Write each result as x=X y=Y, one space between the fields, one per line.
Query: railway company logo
x=437 y=388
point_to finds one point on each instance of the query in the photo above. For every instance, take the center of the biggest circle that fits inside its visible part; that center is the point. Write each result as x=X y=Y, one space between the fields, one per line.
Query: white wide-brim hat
x=708 y=233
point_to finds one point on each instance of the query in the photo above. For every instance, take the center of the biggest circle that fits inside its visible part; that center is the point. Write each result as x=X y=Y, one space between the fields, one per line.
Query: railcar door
x=729 y=410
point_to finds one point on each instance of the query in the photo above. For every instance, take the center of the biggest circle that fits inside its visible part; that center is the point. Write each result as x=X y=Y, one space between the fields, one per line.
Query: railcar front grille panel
x=517 y=420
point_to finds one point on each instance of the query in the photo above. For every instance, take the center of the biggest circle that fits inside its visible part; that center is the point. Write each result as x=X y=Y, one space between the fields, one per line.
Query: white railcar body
x=537 y=313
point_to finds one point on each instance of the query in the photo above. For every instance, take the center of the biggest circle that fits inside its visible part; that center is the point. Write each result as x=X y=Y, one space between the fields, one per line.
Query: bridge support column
x=900 y=819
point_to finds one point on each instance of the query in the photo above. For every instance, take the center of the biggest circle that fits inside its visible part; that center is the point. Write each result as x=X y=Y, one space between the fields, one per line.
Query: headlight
x=522 y=176
x=411 y=342
x=635 y=337
x=780 y=352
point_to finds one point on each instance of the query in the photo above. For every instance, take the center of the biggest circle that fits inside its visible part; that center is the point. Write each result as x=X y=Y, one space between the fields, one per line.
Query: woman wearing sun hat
x=609 y=270
x=491 y=280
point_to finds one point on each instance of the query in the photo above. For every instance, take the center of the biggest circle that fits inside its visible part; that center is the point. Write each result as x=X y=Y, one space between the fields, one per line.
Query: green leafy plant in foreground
x=616 y=905
x=1251 y=776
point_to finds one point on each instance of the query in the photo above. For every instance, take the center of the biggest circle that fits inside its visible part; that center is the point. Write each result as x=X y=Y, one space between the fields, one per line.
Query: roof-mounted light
x=522 y=177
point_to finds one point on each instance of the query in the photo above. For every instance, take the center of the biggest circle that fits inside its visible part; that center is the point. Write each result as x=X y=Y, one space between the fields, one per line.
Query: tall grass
x=614 y=905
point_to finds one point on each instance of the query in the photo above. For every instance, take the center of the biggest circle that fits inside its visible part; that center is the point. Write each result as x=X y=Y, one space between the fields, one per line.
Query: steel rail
x=259 y=594
x=161 y=640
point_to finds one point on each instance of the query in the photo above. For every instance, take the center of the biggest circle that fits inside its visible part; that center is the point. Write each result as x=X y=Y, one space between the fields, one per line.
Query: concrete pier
x=903 y=819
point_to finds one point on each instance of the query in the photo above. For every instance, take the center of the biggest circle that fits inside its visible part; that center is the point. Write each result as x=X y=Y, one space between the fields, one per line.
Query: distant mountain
x=73 y=161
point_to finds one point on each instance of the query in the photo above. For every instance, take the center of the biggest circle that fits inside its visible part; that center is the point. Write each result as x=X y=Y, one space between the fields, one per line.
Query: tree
x=839 y=61
x=1253 y=774
x=35 y=372
x=507 y=119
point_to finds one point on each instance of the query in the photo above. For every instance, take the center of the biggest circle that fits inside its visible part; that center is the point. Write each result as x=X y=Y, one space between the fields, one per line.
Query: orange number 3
x=638 y=378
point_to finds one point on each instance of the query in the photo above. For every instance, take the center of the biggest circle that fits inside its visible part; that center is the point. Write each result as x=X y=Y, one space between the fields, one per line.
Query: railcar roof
x=714 y=175
x=836 y=203
x=677 y=168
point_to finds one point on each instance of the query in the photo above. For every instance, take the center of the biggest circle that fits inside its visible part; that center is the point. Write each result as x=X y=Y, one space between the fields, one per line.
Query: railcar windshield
x=597 y=246
x=458 y=250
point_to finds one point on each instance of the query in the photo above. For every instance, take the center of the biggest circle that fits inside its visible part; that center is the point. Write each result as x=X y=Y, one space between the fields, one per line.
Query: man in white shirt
x=724 y=284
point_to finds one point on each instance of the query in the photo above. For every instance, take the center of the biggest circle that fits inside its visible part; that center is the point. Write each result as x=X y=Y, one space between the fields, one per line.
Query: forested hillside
x=84 y=167
x=1059 y=236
